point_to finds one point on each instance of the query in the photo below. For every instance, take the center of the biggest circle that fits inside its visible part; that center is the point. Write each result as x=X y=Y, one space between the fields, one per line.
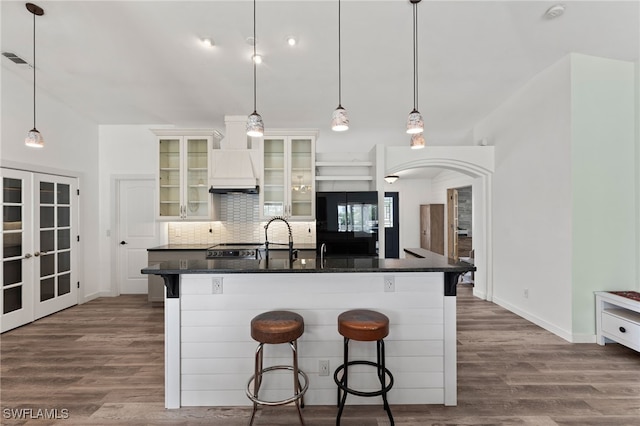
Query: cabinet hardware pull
x=622 y=330
x=123 y=242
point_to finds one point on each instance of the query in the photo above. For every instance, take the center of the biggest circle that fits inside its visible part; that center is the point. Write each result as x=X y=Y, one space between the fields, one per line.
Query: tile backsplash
x=240 y=223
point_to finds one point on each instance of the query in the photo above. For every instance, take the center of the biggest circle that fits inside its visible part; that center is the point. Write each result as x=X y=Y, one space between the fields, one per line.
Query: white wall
x=125 y=150
x=559 y=150
x=531 y=133
x=71 y=149
x=411 y=193
x=604 y=182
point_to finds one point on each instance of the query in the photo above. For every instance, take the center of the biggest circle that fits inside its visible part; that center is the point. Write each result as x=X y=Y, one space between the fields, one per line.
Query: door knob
x=123 y=242
x=27 y=256
x=36 y=254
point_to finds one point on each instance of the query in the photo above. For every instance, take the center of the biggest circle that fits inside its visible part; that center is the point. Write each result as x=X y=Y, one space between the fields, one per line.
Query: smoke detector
x=554 y=11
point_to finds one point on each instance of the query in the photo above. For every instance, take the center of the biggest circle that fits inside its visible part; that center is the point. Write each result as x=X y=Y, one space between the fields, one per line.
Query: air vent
x=15 y=58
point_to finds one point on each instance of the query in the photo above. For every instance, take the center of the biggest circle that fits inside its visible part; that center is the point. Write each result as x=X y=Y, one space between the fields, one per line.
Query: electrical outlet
x=526 y=293
x=323 y=367
x=389 y=283
x=216 y=285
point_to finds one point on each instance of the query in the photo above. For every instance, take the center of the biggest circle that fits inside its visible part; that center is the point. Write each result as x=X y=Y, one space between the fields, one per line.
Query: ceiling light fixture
x=391 y=178
x=255 y=125
x=339 y=119
x=415 y=123
x=292 y=40
x=554 y=11
x=34 y=139
x=207 y=42
x=417 y=141
x=257 y=59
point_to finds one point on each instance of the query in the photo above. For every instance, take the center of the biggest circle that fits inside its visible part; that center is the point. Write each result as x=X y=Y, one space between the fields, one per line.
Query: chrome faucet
x=266 y=236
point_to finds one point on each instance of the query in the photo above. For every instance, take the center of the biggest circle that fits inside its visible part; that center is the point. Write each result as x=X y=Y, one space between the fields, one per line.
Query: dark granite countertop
x=432 y=263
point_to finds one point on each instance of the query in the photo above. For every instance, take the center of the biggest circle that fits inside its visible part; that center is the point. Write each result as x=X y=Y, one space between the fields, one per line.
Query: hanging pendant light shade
x=417 y=141
x=255 y=125
x=415 y=123
x=34 y=138
x=339 y=119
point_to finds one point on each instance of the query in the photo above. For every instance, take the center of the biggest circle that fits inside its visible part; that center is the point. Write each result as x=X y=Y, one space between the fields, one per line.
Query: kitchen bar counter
x=209 y=305
x=191 y=247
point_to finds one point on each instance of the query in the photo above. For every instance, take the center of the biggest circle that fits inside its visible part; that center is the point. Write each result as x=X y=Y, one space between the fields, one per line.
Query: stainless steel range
x=235 y=251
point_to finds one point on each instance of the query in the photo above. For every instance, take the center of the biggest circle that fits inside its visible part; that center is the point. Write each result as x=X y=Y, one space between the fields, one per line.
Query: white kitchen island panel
x=217 y=351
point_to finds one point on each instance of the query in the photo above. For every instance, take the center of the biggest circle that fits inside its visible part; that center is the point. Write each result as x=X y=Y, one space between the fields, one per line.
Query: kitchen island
x=209 y=305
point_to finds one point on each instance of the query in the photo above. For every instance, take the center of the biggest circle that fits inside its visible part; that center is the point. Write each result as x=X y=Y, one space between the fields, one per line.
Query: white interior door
x=137 y=231
x=16 y=297
x=56 y=220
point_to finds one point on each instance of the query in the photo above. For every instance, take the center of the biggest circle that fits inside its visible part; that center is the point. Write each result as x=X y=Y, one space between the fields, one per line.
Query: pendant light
x=417 y=141
x=415 y=123
x=339 y=120
x=255 y=126
x=34 y=139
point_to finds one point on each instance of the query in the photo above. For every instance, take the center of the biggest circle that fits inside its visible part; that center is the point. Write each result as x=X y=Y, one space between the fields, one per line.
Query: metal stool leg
x=382 y=376
x=257 y=381
x=296 y=379
x=344 y=381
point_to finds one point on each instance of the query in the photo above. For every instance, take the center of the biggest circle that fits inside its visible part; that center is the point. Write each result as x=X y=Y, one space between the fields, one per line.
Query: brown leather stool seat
x=363 y=325
x=275 y=327
x=366 y=326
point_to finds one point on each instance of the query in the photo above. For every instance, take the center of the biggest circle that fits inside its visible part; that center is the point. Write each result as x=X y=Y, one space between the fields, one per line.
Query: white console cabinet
x=617 y=320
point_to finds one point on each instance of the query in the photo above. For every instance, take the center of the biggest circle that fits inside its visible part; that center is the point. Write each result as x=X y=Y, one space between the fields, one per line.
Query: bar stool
x=276 y=327
x=365 y=326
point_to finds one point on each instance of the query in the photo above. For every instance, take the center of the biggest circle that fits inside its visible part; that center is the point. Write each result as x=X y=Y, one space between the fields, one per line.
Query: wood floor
x=101 y=363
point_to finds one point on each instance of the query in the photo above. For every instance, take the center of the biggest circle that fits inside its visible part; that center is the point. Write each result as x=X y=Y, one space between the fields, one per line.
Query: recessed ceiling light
x=208 y=42
x=554 y=11
x=257 y=58
x=292 y=40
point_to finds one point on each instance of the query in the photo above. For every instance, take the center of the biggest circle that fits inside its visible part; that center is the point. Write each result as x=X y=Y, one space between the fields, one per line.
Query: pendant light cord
x=34 y=70
x=254 y=56
x=415 y=54
x=339 y=60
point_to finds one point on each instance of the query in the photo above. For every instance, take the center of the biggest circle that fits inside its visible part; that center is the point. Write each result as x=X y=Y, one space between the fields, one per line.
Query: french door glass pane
x=12 y=299
x=12 y=272
x=64 y=261
x=47 y=242
x=64 y=239
x=46 y=193
x=63 y=193
x=47 y=289
x=46 y=217
x=64 y=284
x=63 y=216
x=12 y=217
x=11 y=244
x=47 y=265
x=12 y=190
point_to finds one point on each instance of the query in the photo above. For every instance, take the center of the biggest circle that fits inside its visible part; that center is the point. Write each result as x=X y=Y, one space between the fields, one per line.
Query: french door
x=38 y=250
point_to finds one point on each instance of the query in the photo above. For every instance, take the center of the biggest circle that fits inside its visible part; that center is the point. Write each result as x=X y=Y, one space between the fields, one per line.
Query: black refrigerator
x=347 y=223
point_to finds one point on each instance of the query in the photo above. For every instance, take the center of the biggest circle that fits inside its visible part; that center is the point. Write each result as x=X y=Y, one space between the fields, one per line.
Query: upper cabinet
x=183 y=173
x=288 y=175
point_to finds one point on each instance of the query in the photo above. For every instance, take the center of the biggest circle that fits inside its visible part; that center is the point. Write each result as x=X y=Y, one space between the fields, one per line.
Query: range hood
x=233 y=166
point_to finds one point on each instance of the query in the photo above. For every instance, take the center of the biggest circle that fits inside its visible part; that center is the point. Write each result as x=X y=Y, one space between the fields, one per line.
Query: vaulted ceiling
x=142 y=62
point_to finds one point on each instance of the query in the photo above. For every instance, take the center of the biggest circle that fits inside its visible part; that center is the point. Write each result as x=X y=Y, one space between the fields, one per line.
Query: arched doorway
x=477 y=163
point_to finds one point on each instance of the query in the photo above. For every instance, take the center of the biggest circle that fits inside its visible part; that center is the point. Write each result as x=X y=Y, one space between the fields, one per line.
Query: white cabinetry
x=617 y=319
x=288 y=175
x=183 y=174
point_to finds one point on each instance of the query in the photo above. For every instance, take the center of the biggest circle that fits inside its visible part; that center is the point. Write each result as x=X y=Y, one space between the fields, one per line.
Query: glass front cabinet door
x=288 y=181
x=183 y=172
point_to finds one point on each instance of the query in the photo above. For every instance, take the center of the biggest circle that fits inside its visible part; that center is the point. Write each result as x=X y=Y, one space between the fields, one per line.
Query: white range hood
x=233 y=166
